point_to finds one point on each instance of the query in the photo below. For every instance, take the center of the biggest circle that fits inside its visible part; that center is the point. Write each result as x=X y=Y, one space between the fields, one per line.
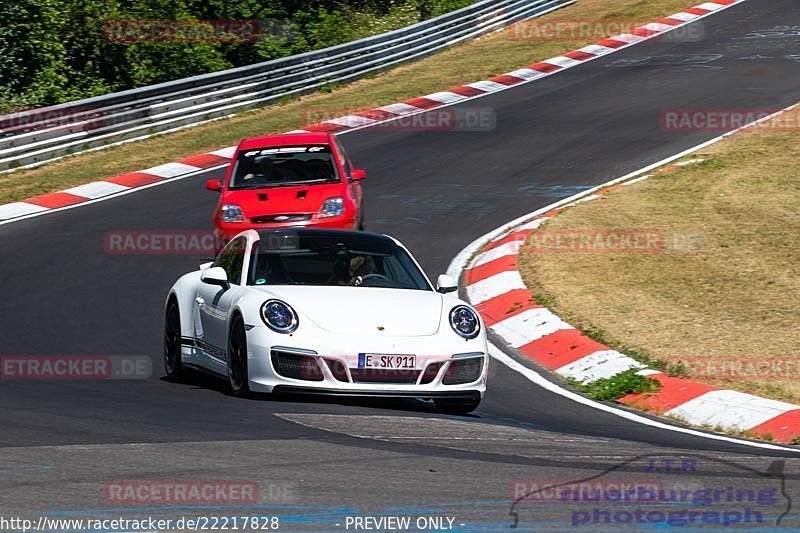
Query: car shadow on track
x=202 y=380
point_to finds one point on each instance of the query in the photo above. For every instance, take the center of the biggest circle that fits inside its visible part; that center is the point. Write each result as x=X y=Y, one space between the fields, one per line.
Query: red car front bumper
x=225 y=231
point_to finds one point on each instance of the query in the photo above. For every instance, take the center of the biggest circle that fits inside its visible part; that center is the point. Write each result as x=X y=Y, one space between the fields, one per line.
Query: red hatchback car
x=296 y=179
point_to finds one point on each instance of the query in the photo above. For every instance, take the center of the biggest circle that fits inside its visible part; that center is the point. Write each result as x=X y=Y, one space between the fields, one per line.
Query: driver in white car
x=360 y=266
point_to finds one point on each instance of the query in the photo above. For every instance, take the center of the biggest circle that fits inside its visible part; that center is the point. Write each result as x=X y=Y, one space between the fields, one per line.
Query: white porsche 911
x=330 y=312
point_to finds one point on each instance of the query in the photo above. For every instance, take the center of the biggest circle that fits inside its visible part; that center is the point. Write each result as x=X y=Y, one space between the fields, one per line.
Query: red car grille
x=285 y=218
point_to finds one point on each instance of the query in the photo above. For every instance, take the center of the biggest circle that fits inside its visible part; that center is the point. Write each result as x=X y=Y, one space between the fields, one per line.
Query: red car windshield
x=283 y=166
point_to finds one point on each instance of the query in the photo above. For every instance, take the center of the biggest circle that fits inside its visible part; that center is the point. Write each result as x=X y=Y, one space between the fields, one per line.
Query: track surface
x=435 y=191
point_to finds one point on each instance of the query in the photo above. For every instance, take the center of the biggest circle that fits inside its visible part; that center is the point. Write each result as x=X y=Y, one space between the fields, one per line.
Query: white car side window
x=232 y=259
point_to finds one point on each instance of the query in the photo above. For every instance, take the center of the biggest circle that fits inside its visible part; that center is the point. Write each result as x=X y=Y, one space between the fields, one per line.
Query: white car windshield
x=283 y=166
x=333 y=259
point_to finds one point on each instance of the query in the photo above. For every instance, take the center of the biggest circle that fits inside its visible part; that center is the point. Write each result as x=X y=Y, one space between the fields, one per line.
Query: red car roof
x=285 y=139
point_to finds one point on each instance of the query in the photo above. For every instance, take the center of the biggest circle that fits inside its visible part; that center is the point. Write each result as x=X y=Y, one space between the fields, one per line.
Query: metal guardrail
x=29 y=138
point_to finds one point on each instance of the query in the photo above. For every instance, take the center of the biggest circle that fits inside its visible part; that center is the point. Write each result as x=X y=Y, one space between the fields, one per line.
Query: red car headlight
x=332 y=207
x=231 y=213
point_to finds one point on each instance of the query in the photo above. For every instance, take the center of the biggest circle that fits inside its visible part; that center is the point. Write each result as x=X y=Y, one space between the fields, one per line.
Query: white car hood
x=364 y=310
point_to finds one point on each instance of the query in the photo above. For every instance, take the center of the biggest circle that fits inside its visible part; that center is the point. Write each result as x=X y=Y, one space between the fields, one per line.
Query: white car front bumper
x=329 y=364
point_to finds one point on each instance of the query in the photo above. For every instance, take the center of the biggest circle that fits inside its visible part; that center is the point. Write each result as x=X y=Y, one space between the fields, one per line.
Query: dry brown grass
x=732 y=302
x=489 y=56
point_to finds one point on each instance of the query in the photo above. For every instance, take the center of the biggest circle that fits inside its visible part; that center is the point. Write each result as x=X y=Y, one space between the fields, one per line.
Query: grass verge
x=617 y=386
x=489 y=56
x=723 y=310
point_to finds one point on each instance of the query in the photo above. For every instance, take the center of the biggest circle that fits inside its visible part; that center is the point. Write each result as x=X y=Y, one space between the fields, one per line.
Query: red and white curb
x=496 y=289
x=125 y=183
x=115 y=186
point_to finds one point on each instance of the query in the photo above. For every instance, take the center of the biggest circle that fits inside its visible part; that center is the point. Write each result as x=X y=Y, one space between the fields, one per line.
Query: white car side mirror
x=445 y=284
x=216 y=276
x=206 y=265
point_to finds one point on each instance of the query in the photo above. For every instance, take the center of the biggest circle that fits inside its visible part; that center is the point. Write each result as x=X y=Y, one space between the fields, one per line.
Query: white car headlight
x=279 y=316
x=332 y=207
x=231 y=213
x=465 y=322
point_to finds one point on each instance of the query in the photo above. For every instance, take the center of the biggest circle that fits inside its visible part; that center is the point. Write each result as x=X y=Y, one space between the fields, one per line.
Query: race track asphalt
x=436 y=191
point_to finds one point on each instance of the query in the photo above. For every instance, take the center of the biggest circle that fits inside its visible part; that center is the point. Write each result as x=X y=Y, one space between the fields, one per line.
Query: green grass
x=617 y=386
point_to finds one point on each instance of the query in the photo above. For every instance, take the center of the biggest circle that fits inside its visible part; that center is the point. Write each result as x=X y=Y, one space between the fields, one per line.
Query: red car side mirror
x=358 y=174
x=214 y=185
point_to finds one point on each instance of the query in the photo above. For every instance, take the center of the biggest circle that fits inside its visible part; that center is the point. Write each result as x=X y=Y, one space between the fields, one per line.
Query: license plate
x=385 y=361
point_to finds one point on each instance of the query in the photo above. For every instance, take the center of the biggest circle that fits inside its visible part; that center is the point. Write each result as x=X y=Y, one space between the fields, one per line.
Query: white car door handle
x=200 y=301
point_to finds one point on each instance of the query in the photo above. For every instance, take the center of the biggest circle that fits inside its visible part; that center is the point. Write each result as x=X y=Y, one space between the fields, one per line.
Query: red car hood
x=277 y=200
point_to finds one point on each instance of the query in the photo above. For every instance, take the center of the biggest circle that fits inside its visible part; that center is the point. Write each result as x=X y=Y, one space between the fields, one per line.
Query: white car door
x=214 y=302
